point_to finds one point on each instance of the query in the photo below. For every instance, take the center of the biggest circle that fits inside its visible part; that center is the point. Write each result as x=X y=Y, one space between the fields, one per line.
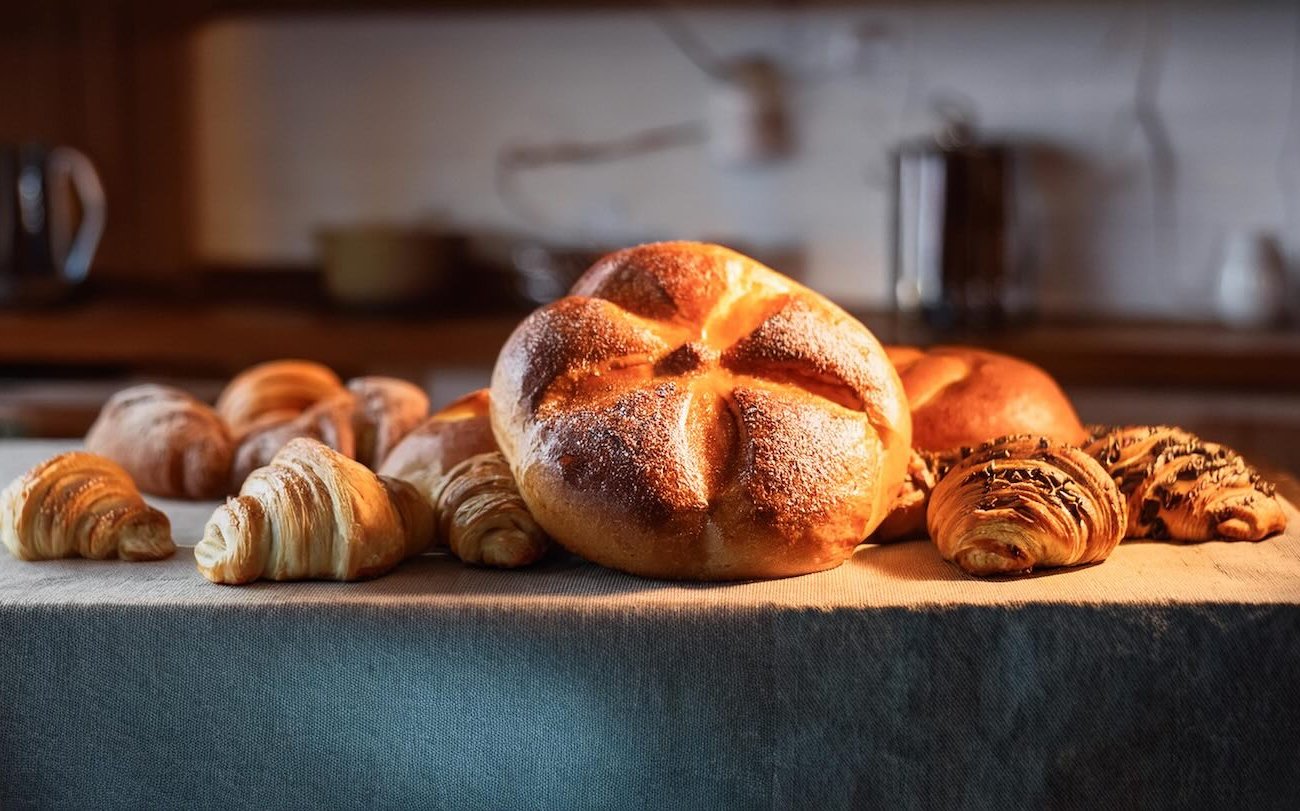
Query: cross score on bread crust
x=700 y=395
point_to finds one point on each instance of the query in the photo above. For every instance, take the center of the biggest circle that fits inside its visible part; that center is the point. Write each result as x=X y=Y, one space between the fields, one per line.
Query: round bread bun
x=962 y=396
x=688 y=413
x=442 y=441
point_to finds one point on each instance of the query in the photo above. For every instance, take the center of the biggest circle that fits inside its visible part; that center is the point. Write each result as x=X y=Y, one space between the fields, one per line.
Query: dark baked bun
x=688 y=413
x=963 y=397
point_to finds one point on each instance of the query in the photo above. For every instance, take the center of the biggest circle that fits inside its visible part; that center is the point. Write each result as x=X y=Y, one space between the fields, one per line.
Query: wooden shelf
x=219 y=339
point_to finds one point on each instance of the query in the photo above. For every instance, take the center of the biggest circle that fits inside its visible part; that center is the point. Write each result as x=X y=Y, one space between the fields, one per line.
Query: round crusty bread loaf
x=688 y=413
x=964 y=397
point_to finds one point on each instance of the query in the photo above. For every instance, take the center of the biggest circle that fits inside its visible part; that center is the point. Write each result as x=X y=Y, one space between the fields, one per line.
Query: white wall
x=305 y=121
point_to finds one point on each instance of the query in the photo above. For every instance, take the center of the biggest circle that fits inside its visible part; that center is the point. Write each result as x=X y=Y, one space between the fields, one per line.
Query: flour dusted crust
x=688 y=413
x=170 y=443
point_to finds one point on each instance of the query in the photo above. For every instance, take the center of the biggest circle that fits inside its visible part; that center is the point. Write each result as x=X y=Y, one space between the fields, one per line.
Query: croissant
x=1180 y=487
x=483 y=518
x=329 y=421
x=1022 y=502
x=276 y=390
x=313 y=513
x=171 y=444
x=81 y=505
x=386 y=410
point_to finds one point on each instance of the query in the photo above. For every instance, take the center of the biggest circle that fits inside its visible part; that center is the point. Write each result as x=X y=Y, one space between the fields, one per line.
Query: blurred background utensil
x=51 y=218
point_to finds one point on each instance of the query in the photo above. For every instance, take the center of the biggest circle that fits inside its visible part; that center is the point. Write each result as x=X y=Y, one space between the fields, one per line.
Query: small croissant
x=1180 y=487
x=482 y=516
x=81 y=505
x=274 y=391
x=170 y=443
x=1022 y=502
x=313 y=513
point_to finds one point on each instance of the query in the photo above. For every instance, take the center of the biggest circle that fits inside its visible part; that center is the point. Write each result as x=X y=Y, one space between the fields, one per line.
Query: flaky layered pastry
x=170 y=443
x=313 y=514
x=274 y=391
x=81 y=505
x=1020 y=503
x=362 y=421
x=482 y=517
x=1180 y=487
x=689 y=413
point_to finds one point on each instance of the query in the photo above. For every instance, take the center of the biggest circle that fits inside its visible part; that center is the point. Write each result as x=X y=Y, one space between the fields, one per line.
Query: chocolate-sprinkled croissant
x=170 y=443
x=1180 y=487
x=482 y=517
x=313 y=513
x=1023 y=502
x=81 y=505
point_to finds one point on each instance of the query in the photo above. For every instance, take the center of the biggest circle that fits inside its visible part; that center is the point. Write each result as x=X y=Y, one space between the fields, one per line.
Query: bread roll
x=444 y=440
x=169 y=443
x=386 y=410
x=961 y=396
x=688 y=413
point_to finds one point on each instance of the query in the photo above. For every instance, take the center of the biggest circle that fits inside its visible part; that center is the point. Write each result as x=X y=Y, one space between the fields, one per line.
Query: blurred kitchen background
x=1109 y=189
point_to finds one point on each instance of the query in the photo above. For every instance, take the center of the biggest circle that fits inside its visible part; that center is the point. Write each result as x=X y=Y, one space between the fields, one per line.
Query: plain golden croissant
x=313 y=513
x=276 y=390
x=329 y=421
x=386 y=410
x=171 y=444
x=1022 y=502
x=482 y=517
x=1180 y=487
x=81 y=505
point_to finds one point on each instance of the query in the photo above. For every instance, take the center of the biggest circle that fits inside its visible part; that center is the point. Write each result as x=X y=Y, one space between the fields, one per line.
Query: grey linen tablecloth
x=1168 y=676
